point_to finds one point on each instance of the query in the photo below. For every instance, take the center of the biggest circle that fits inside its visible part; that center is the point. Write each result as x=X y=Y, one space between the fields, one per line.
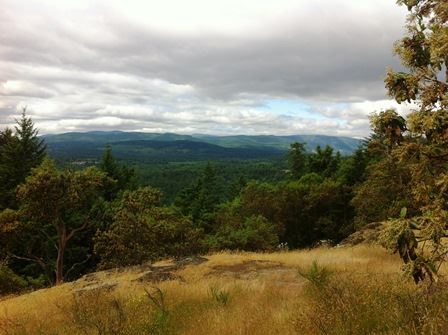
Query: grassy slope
x=233 y=293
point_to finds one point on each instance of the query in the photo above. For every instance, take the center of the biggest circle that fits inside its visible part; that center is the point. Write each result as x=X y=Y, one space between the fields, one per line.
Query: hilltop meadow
x=346 y=290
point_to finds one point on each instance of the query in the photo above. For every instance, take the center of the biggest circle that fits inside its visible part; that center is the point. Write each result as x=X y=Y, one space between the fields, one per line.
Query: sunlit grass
x=231 y=293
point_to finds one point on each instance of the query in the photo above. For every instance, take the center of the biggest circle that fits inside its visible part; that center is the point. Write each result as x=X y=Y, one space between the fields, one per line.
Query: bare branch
x=77 y=230
x=77 y=264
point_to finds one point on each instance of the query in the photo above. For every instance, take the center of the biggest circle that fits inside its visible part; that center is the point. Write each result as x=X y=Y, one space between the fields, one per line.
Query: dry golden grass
x=231 y=293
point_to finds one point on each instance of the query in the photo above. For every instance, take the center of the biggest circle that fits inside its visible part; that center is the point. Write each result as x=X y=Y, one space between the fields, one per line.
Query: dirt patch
x=157 y=273
x=147 y=272
x=251 y=269
x=157 y=276
x=193 y=260
x=272 y=273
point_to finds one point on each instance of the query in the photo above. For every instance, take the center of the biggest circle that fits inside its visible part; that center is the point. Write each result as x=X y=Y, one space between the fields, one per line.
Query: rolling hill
x=175 y=147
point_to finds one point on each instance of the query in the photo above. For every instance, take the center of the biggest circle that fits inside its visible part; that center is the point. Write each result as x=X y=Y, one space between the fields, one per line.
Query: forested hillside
x=269 y=144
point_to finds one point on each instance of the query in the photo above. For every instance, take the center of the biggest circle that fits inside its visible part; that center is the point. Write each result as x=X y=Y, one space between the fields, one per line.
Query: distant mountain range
x=175 y=147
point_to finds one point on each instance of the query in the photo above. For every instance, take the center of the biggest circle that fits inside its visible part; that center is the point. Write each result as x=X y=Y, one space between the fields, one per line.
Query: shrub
x=254 y=233
x=142 y=231
x=10 y=282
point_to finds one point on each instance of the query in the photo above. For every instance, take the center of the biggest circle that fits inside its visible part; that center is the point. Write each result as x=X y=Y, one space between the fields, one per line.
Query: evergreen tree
x=352 y=169
x=202 y=198
x=120 y=176
x=7 y=168
x=19 y=153
x=297 y=159
x=31 y=149
x=237 y=186
x=323 y=162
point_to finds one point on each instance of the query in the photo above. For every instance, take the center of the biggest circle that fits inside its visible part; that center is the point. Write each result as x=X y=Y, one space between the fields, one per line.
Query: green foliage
x=352 y=169
x=175 y=178
x=201 y=200
x=120 y=176
x=9 y=225
x=423 y=51
x=399 y=237
x=54 y=207
x=221 y=296
x=297 y=159
x=235 y=232
x=20 y=152
x=168 y=147
x=317 y=275
x=161 y=315
x=302 y=211
x=10 y=282
x=132 y=226
x=383 y=193
x=143 y=231
x=323 y=162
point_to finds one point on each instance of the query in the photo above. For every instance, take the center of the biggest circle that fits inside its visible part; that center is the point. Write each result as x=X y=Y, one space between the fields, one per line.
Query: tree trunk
x=60 y=260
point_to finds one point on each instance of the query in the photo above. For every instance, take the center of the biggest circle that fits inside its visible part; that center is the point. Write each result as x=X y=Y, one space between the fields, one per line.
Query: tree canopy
x=419 y=144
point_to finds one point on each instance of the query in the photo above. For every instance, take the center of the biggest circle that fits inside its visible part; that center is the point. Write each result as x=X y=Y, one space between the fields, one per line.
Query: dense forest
x=58 y=223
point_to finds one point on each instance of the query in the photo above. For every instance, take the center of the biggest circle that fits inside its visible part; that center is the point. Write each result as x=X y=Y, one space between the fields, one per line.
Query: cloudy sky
x=198 y=66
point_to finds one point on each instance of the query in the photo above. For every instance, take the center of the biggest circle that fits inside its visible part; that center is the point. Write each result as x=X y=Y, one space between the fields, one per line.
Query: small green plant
x=316 y=274
x=221 y=296
x=160 y=319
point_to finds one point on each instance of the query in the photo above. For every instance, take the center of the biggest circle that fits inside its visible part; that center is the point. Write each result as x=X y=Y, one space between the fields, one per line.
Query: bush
x=254 y=233
x=10 y=282
x=142 y=231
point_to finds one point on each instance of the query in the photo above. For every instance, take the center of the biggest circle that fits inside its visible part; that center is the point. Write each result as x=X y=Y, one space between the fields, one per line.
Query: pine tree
x=20 y=152
x=120 y=177
x=323 y=161
x=202 y=198
x=31 y=149
x=297 y=159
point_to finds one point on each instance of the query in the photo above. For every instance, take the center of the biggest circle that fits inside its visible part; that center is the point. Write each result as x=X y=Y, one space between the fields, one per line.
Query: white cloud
x=197 y=66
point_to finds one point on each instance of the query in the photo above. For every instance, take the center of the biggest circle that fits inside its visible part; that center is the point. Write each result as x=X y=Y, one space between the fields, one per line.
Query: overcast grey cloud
x=217 y=67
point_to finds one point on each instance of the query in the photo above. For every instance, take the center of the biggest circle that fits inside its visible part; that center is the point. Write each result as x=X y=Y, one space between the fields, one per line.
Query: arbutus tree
x=421 y=142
